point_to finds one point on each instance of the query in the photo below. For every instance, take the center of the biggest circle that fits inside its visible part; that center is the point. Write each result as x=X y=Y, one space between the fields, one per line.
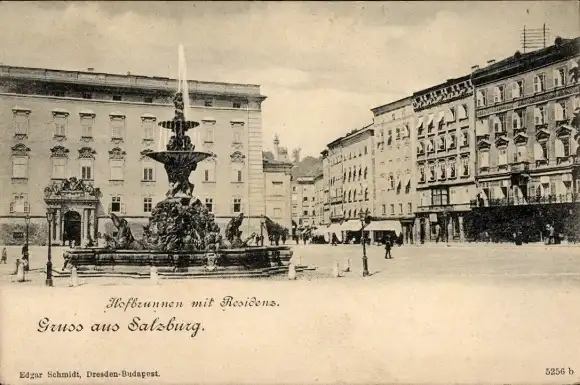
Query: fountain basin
x=241 y=262
x=173 y=124
x=181 y=157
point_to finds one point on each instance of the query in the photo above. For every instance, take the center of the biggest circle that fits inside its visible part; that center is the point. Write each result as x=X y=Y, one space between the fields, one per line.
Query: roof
x=349 y=134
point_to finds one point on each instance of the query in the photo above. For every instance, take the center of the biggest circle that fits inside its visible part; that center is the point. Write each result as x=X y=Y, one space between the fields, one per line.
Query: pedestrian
x=388 y=247
x=552 y=235
x=437 y=232
x=283 y=238
x=4 y=255
x=25 y=256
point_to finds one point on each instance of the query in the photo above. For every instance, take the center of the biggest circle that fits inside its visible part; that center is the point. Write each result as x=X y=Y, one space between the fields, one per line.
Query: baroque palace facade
x=492 y=153
x=75 y=140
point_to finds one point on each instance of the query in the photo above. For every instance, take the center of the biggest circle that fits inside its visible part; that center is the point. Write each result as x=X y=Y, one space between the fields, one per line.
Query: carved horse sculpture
x=125 y=239
x=232 y=229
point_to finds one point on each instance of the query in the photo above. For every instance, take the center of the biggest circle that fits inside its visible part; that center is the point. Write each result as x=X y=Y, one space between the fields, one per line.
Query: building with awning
x=532 y=173
x=449 y=143
x=395 y=168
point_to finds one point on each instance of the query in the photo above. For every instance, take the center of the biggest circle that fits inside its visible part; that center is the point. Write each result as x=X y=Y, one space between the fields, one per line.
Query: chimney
x=490 y=62
x=90 y=69
x=475 y=67
x=128 y=73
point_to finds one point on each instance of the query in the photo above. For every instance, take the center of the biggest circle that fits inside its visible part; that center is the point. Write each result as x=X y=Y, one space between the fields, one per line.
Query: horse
x=125 y=239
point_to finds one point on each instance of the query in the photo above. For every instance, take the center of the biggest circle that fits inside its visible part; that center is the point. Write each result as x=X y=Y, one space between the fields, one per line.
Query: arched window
x=366 y=194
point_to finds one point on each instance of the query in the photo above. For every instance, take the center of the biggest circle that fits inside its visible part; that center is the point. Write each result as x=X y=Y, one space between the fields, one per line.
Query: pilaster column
x=461 y=231
x=58 y=226
x=427 y=229
x=84 y=227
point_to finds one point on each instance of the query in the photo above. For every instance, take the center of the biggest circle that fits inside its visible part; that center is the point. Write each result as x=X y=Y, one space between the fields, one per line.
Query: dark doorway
x=72 y=227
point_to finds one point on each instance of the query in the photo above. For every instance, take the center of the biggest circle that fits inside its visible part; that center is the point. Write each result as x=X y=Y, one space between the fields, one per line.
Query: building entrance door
x=72 y=228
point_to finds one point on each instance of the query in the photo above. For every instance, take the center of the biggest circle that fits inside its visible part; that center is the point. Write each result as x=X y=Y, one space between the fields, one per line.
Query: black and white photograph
x=290 y=192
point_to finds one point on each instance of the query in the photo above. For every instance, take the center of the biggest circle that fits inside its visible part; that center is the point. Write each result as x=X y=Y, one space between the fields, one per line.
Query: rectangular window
x=521 y=153
x=237 y=105
x=481 y=98
x=87 y=125
x=484 y=159
x=518 y=89
x=392 y=209
x=400 y=208
x=208 y=103
x=384 y=208
x=502 y=156
x=439 y=197
x=60 y=125
x=117 y=98
x=147 y=205
x=116 y=204
x=518 y=118
x=305 y=213
x=117 y=169
x=58 y=168
x=117 y=127
x=87 y=95
x=148 y=171
x=209 y=134
x=148 y=128
x=540 y=115
x=148 y=99
x=237 y=206
x=559 y=77
x=21 y=123
x=86 y=169
x=540 y=83
x=209 y=204
x=237 y=135
x=19 y=167
x=409 y=208
x=499 y=123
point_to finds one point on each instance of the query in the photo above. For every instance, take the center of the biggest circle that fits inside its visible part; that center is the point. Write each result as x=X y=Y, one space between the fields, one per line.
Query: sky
x=322 y=65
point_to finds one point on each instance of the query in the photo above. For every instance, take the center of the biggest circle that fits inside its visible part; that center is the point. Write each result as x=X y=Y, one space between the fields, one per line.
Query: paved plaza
x=429 y=261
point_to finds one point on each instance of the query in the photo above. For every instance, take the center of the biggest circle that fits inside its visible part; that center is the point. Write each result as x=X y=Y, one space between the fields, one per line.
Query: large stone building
x=94 y=126
x=394 y=181
x=445 y=157
x=528 y=167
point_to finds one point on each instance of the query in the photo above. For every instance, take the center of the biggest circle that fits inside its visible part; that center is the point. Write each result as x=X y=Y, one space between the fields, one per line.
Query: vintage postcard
x=290 y=192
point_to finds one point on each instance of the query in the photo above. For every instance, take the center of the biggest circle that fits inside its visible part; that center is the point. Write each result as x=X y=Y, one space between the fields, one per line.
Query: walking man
x=388 y=247
x=4 y=255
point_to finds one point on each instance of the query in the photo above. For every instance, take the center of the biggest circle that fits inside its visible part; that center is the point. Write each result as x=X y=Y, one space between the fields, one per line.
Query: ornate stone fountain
x=182 y=237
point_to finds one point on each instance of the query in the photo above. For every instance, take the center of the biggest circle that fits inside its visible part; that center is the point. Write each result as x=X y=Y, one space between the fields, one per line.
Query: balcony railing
x=532 y=200
x=519 y=167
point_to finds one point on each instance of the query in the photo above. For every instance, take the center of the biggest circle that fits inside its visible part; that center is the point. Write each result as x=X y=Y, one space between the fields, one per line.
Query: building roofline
x=447 y=83
x=105 y=79
x=388 y=107
x=351 y=134
x=562 y=49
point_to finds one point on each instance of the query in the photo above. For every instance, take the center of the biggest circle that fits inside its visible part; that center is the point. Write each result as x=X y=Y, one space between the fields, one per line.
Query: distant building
x=445 y=158
x=94 y=126
x=277 y=191
x=528 y=167
x=394 y=180
x=304 y=203
x=319 y=200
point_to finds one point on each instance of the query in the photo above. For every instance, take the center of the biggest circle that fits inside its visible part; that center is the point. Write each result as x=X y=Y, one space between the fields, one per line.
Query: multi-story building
x=319 y=199
x=326 y=203
x=394 y=182
x=304 y=202
x=528 y=167
x=94 y=127
x=350 y=178
x=444 y=156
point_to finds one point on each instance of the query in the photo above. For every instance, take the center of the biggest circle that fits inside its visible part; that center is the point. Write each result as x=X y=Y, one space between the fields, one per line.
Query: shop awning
x=351 y=225
x=385 y=226
x=333 y=228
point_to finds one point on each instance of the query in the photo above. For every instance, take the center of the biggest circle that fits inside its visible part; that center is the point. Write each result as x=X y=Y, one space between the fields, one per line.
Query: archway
x=72 y=227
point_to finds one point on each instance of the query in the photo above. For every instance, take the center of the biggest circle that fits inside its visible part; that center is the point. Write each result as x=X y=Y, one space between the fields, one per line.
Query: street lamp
x=262 y=231
x=365 y=219
x=49 y=218
x=26 y=255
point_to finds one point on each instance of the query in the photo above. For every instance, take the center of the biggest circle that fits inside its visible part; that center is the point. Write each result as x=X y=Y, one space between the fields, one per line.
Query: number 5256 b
x=558 y=371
